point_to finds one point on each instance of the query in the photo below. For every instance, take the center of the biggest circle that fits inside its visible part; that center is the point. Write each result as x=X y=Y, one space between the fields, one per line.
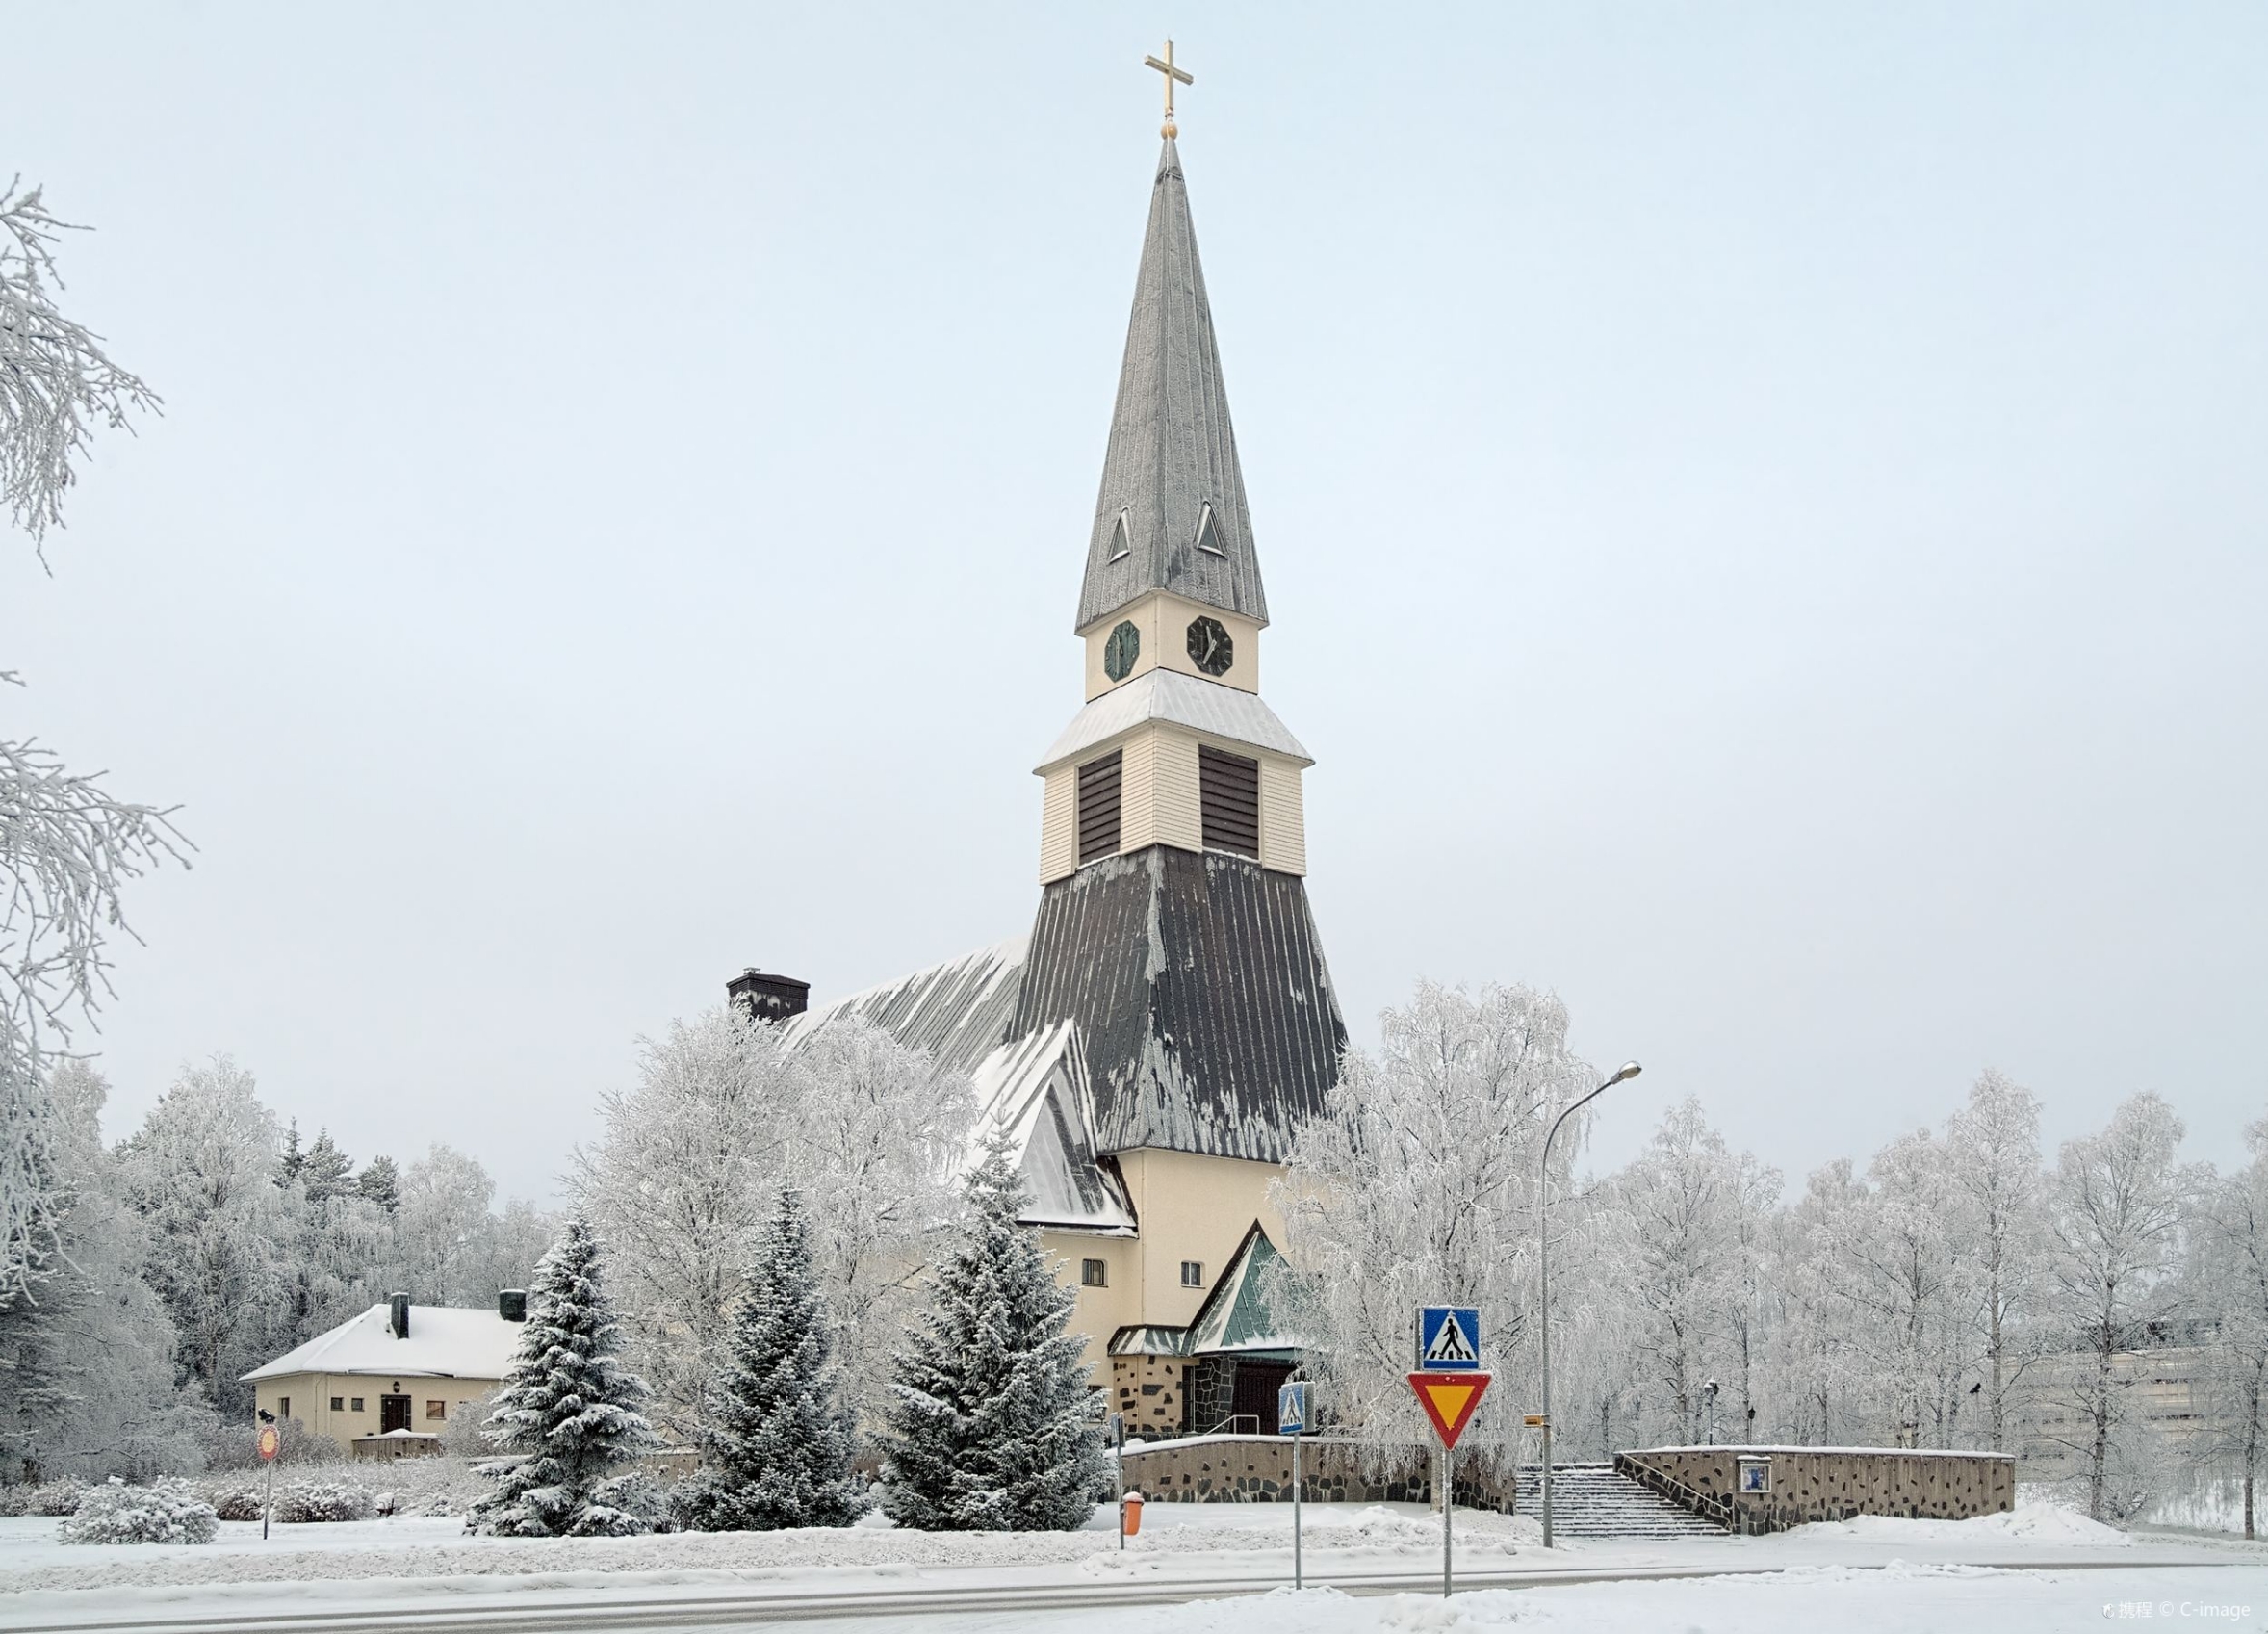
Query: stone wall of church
x=1148 y=1391
x=1810 y=1484
x=1258 y=1469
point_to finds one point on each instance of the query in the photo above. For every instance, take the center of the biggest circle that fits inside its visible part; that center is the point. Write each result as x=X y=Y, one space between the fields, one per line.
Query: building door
x=1256 y=1383
x=393 y=1414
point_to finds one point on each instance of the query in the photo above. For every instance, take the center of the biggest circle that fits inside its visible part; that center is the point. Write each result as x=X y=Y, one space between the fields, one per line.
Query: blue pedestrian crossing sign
x=1291 y=1408
x=1447 y=1338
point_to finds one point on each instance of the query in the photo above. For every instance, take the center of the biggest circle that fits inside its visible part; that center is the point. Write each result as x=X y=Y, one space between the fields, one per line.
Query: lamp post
x=1543 y=1264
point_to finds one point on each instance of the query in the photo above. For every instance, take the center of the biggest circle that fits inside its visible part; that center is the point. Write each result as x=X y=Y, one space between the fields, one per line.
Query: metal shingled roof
x=1172 y=466
x=1167 y=694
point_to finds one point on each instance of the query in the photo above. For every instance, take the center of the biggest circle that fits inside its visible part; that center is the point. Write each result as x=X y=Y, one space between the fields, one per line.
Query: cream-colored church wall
x=1059 y=824
x=1177 y=819
x=1159 y=804
x=1163 y=622
x=1192 y=1208
x=1099 y=1311
x=1283 y=823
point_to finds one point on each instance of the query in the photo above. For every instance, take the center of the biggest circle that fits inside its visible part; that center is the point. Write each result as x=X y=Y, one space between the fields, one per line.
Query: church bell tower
x=1173 y=924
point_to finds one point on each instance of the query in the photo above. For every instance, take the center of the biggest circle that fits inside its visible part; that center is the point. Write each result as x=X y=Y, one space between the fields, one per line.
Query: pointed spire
x=1171 y=513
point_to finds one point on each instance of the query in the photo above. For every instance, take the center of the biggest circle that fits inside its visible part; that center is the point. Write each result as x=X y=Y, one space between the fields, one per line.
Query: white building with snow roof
x=391 y=1379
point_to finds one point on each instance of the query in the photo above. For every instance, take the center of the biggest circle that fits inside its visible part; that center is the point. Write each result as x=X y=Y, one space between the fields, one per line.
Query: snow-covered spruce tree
x=777 y=1451
x=993 y=1428
x=569 y=1410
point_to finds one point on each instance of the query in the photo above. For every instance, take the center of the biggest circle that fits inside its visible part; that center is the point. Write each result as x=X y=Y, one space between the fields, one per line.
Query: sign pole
x=1297 y=1571
x=1448 y=1503
x=1118 y=1427
x=267 y=1498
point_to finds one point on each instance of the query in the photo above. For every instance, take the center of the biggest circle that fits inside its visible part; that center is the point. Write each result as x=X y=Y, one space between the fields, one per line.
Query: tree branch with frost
x=57 y=385
x=67 y=846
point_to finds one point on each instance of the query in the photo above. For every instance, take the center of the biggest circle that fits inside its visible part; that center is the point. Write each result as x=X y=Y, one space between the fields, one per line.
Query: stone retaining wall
x=1258 y=1469
x=1830 y=1483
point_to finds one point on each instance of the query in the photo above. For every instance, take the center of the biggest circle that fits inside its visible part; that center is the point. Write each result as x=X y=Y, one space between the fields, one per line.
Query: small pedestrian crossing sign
x=1449 y=1339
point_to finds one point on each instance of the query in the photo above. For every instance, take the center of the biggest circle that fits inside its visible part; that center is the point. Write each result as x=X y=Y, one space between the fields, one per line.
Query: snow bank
x=2033 y=1522
x=415 y=1547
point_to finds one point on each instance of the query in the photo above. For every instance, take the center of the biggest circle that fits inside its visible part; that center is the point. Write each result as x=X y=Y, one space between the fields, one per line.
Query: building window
x=283 y=1409
x=1094 y=1273
x=1229 y=801
x=1192 y=1273
x=358 y=1404
x=437 y=1410
x=1098 y=806
x=338 y=1403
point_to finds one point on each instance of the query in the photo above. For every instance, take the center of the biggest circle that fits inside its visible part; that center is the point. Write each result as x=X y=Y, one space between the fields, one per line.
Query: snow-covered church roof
x=1032 y=1088
x=445 y=1341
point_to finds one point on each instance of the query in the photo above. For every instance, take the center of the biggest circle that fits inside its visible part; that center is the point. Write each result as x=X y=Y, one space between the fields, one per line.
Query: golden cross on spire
x=1172 y=73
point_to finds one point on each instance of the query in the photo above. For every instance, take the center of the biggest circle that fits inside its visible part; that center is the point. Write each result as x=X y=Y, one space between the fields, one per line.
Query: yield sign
x=1448 y=1400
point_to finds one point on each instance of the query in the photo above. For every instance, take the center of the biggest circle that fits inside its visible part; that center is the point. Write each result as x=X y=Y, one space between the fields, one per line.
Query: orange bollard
x=1130 y=1515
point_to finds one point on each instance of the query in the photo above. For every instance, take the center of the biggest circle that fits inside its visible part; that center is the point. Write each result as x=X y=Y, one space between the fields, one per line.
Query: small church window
x=1208 y=532
x=283 y=1409
x=1094 y=1273
x=338 y=1403
x=1192 y=1273
x=358 y=1404
x=1229 y=801
x=1119 y=545
x=1100 y=782
x=437 y=1410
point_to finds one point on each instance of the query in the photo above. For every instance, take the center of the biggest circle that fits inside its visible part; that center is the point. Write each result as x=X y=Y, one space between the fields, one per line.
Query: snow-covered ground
x=1864 y=1575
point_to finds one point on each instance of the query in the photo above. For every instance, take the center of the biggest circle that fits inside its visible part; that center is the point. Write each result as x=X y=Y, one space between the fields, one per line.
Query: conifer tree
x=778 y=1448
x=381 y=1182
x=993 y=1428
x=569 y=1408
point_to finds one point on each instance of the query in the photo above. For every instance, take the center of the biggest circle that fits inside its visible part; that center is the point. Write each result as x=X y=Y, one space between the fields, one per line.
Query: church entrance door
x=393 y=1412
x=1256 y=1385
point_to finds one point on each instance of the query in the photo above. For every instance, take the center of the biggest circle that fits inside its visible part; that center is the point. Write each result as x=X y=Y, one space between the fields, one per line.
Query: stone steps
x=1591 y=1500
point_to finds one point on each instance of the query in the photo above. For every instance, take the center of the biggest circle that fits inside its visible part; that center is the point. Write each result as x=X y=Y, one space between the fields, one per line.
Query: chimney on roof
x=398 y=1316
x=511 y=1303
x=769 y=998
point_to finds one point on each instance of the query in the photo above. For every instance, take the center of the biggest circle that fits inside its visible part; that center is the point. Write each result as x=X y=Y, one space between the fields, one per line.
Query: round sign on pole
x=271 y=1444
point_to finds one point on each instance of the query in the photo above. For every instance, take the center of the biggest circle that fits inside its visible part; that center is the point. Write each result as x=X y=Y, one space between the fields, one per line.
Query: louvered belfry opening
x=1098 y=806
x=1228 y=800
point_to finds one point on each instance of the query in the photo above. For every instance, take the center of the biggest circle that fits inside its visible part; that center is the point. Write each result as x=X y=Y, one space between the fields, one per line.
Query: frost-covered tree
x=1417 y=1185
x=2118 y=1207
x=1678 y=1209
x=1825 y=1382
x=57 y=384
x=327 y=1172
x=440 y=1225
x=1907 y=1284
x=568 y=1413
x=86 y=1382
x=725 y=1113
x=381 y=1182
x=1993 y=1146
x=993 y=1428
x=67 y=845
x=2233 y=1287
x=683 y=1176
x=202 y=1174
x=777 y=1448
x=880 y=1135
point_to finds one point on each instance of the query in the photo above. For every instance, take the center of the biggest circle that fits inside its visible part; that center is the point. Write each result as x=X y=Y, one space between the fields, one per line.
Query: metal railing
x=1228 y=1425
x=1707 y=1505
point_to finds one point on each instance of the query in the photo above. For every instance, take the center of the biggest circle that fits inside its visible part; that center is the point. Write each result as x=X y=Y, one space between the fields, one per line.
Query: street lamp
x=1710 y=1390
x=1543 y=1263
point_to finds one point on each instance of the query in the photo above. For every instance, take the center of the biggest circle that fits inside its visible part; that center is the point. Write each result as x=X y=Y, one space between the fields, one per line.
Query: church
x=1152 y=1043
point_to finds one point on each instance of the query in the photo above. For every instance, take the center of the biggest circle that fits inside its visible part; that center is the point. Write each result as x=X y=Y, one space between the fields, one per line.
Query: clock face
x=1119 y=652
x=1210 y=647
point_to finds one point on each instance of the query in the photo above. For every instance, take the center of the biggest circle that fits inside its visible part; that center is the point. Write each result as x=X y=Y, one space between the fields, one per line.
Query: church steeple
x=1171 y=514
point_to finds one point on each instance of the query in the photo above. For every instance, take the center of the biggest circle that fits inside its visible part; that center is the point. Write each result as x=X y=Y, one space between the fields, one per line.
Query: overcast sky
x=1765 y=508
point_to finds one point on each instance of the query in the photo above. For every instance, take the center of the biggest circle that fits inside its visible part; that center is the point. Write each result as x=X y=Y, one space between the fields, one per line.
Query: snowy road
x=1851 y=1599
x=1199 y=1567
x=2015 y=1597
